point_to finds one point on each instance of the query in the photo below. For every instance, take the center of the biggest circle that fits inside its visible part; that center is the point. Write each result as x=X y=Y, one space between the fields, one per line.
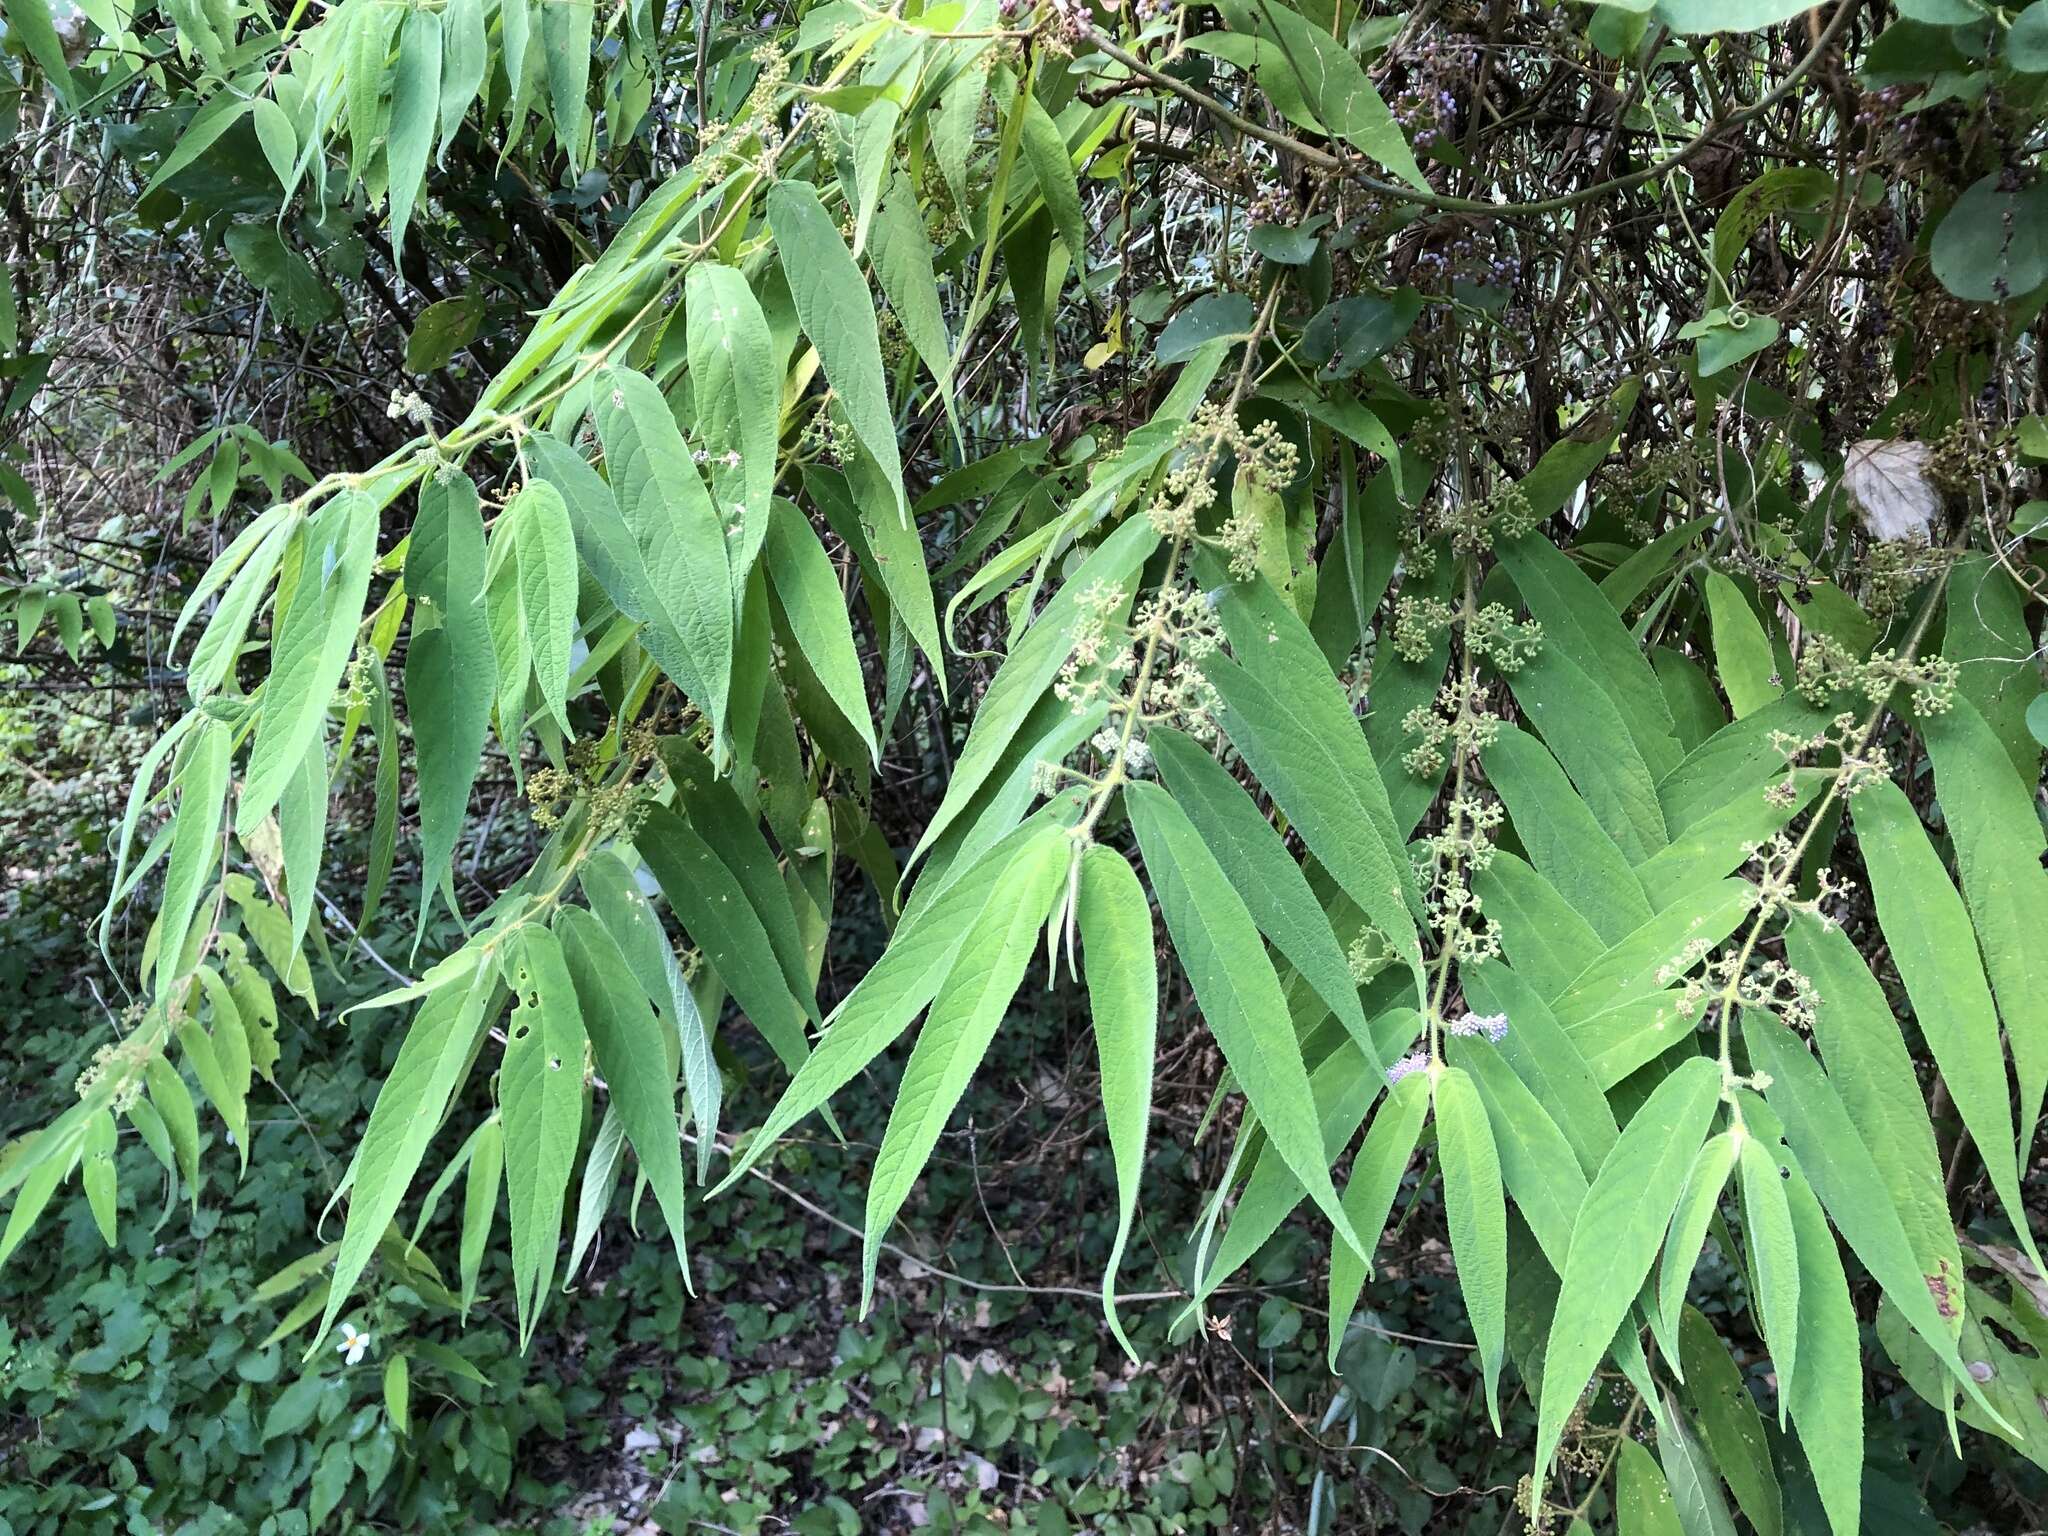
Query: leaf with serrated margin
x=1543 y=935
x=1999 y=848
x=626 y=1040
x=614 y=895
x=1115 y=921
x=1832 y=1156
x=808 y=589
x=1476 y=1212
x=838 y=314
x=1687 y=1235
x=708 y=901
x=1871 y=1070
x=1617 y=1234
x=964 y=1016
x=896 y=987
x=315 y=636
x=1375 y=1179
x=195 y=844
x=1729 y=1422
x=1579 y=621
x=736 y=390
x=1288 y=717
x=1934 y=946
x=1028 y=671
x=1236 y=988
x=1827 y=1400
x=1774 y=1263
x=681 y=541
x=540 y=1094
x=431 y=1061
x=1586 y=730
x=1566 y=844
x=544 y=545
x=1264 y=874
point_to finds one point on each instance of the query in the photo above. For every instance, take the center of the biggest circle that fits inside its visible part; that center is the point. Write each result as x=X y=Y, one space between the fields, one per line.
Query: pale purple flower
x=1407 y=1066
x=1492 y=1025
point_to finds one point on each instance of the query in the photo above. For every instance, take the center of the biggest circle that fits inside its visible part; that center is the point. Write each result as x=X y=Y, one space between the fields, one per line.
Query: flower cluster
x=1446 y=862
x=1426 y=109
x=615 y=804
x=1493 y=1026
x=126 y=1059
x=1827 y=668
x=1417 y=623
x=1265 y=460
x=1407 y=1066
x=1458 y=715
x=1861 y=766
x=1096 y=625
x=1893 y=570
x=827 y=435
x=726 y=143
x=1368 y=955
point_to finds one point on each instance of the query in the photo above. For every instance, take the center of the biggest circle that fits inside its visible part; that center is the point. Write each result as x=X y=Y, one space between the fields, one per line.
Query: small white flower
x=353 y=1345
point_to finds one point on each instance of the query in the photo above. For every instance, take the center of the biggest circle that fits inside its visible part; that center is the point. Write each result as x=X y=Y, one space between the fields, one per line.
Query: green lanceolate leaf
x=1689 y=1224
x=1642 y=1499
x=714 y=810
x=970 y=1004
x=1729 y=1423
x=737 y=391
x=431 y=1061
x=1333 y=85
x=1587 y=731
x=314 y=638
x=544 y=545
x=415 y=113
x=1264 y=874
x=903 y=264
x=1237 y=989
x=1742 y=651
x=833 y=305
x=808 y=589
x=677 y=530
x=1579 y=620
x=1934 y=946
x=1835 y=1162
x=896 y=988
x=714 y=911
x=540 y=1095
x=195 y=845
x=625 y=1039
x=1774 y=1261
x=1543 y=1056
x=1615 y=1240
x=480 y=1203
x=1343 y=1093
x=1375 y=1179
x=1999 y=848
x=1543 y=935
x=1045 y=151
x=1291 y=720
x=1115 y=921
x=1477 y=1213
x=1565 y=841
x=1827 y=1399
x=302 y=832
x=1027 y=673
x=1869 y=1068
x=626 y=914
x=451 y=674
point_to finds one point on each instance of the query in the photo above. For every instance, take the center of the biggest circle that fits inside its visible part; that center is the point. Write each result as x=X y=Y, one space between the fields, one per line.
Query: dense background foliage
x=1411 y=639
